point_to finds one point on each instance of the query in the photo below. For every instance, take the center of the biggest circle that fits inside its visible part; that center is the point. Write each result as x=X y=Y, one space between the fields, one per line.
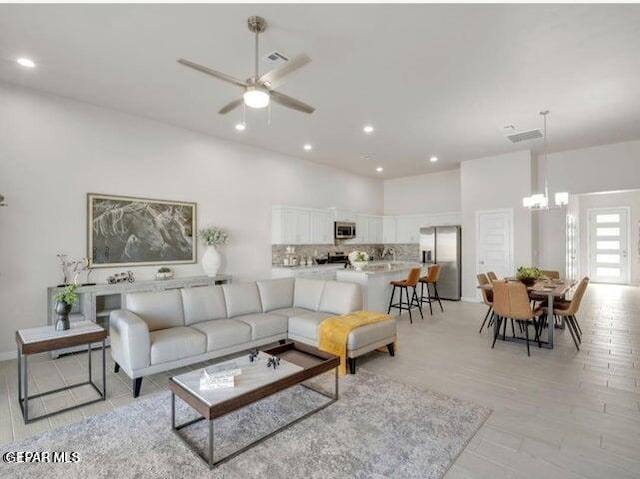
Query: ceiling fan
x=259 y=90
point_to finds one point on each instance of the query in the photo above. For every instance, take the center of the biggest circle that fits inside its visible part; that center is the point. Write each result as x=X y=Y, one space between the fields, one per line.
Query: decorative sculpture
x=253 y=354
x=121 y=278
x=273 y=362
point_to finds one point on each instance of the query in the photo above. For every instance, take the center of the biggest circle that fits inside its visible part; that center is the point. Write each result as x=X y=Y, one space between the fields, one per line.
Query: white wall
x=495 y=182
x=53 y=151
x=430 y=193
x=630 y=199
x=612 y=167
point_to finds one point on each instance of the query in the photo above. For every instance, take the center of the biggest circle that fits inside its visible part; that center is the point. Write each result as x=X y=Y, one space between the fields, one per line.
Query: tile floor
x=557 y=414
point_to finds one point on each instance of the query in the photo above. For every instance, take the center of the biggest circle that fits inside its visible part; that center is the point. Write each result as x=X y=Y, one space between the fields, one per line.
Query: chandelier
x=540 y=201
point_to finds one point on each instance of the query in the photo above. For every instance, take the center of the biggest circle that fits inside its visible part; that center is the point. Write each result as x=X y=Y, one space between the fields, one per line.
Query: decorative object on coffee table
x=213 y=237
x=127 y=231
x=47 y=338
x=298 y=363
x=65 y=300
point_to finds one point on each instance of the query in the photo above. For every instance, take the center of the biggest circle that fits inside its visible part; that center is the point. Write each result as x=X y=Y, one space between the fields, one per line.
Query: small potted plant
x=164 y=273
x=212 y=237
x=65 y=299
x=528 y=275
x=358 y=259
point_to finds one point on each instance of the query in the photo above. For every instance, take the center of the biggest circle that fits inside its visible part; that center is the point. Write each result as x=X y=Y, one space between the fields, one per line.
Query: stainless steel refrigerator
x=442 y=245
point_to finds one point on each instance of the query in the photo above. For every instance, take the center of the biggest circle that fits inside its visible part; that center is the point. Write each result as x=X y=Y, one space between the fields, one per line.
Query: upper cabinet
x=321 y=227
x=389 y=227
x=293 y=225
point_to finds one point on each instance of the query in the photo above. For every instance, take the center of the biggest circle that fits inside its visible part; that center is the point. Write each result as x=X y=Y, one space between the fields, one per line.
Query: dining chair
x=492 y=276
x=431 y=279
x=569 y=309
x=550 y=274
x=404 y=285
x=511 y=302
x=487 y=297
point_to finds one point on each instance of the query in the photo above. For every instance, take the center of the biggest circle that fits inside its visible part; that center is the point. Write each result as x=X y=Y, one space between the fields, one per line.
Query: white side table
x=45 y=339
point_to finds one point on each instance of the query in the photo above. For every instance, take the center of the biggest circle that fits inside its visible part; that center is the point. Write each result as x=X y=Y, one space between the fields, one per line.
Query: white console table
x=96 y=302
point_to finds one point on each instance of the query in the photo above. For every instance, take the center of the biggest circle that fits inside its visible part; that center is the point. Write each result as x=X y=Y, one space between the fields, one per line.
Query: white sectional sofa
x=160 y=331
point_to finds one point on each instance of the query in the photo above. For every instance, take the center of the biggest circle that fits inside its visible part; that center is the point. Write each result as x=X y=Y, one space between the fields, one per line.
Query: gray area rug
x=379 y=428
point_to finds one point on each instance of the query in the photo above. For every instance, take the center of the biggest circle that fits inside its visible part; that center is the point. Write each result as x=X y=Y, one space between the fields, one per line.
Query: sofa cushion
x=159 y=309
x=276 y=293
x=371 y=333
x=264 y=325
x=224 y=333
x=203 y=303
x=306 y=325
x=307 y=293
x=288 y=312
x=176 y=343
x=241 y=298
x=340 y=297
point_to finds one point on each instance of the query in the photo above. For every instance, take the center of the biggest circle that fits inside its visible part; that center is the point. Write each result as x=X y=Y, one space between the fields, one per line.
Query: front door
x=608 y=245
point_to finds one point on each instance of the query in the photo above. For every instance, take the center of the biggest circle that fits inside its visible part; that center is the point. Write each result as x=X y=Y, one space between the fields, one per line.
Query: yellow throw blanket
x=334 y=331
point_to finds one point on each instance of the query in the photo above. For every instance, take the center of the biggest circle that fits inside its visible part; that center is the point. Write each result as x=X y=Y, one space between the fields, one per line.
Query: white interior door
x=494 y=242
x=608 y=245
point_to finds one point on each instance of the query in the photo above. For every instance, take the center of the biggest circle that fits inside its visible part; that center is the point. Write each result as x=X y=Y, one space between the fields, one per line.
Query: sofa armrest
x=130 y=340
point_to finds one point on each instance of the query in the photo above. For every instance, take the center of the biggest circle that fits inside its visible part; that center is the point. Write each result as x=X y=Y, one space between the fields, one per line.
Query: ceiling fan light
x=256 y=98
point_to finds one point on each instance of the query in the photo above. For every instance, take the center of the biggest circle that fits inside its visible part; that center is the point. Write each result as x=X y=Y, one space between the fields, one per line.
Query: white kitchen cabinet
x=389 y=226
x=375 y=229
x=408 y=229
x=362 y=229
x=290 y=225
x=321 y=227
x=345 y=216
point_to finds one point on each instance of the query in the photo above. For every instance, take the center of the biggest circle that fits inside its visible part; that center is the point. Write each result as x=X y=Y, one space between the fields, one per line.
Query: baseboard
x=469 y=300
x=7 y=355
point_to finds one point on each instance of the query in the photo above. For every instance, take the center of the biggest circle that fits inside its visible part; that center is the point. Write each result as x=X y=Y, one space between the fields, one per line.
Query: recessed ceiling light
x=308 y=147
x=368 y=129
x=26 y=62
x=241 y=126
x=433 y=159
x=379 y=169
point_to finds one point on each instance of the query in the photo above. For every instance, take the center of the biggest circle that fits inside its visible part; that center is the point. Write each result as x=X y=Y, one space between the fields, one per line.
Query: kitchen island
x=374 y=281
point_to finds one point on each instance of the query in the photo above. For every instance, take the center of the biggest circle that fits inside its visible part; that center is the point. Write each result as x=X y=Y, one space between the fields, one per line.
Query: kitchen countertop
x=384 y=267
x=326 y=265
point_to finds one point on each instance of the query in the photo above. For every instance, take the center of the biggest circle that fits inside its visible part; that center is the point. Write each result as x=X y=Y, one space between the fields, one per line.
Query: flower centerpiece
x=528 y=275
x=212 y=237
x=358 y=259
x=65 y=299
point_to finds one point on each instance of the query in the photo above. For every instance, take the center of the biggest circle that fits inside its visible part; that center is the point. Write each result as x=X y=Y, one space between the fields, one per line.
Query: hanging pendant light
x=540 y=201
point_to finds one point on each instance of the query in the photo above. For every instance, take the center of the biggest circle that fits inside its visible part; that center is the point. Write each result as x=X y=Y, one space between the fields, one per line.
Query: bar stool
x=404 y=285
x=433 y=274
x=492 y=276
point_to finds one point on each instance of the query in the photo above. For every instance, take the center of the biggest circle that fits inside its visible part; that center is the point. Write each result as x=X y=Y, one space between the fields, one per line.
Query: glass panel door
x=608 y=255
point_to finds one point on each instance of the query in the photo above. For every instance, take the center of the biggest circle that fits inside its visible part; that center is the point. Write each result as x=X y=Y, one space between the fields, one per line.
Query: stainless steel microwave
x=345 y=230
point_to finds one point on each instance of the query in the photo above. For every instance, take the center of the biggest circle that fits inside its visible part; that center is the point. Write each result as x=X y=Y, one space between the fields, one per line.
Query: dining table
x=553 y=289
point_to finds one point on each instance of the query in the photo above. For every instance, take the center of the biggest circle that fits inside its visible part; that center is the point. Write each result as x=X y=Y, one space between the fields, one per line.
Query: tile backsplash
x=404 y=252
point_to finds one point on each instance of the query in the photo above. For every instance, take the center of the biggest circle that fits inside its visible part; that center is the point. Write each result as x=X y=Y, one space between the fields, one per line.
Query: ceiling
x=432 y=79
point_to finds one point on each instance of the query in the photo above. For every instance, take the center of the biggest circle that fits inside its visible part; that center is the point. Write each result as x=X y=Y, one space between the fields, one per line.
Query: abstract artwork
x=126 y=231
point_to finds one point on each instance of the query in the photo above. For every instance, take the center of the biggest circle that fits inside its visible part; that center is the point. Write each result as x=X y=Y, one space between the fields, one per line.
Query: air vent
x=275 y=58
x=524 y=136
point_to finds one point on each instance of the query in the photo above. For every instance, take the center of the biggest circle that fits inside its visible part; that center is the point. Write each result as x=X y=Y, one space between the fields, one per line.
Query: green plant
x=164 y=269
x=68 y=295
x=214 y=236
x=528 y=273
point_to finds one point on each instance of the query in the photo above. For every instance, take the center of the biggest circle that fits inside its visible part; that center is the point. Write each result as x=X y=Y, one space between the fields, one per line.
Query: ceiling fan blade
x=289 y=102
x=275 y=76
x=213 y=73
x=231 y=106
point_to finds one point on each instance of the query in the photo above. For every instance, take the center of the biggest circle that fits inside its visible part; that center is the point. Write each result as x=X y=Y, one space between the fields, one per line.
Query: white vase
x=359 y=265
x=211 y=261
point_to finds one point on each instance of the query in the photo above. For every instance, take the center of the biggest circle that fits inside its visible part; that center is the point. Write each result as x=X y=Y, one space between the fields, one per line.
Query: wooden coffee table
x=298 y=363
x=45 y=339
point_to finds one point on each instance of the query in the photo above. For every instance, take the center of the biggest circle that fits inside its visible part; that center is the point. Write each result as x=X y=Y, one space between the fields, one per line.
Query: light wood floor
x=557 y=414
